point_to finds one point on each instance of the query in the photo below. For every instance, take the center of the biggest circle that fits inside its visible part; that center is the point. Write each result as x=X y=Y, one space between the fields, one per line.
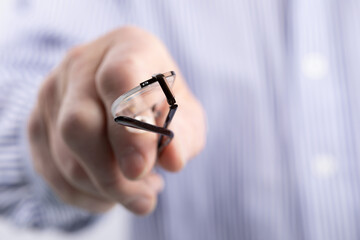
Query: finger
x=43 y=163
x=69 y=164
x=49 y=101
x=136 y=153
x=145 y=205
x=83 y=126
x=189 y=133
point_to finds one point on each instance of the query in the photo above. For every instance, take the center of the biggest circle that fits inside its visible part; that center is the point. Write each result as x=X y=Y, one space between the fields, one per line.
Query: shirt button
x=324 y=166
x=314 y=66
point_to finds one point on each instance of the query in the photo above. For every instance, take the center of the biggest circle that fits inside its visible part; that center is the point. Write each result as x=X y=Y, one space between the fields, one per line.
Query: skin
x=90 y=161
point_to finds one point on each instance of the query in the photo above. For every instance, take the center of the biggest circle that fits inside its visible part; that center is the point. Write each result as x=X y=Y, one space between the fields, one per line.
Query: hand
x=89 y=160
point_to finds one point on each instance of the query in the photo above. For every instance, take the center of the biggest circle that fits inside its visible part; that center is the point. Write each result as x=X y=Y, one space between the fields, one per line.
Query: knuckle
x=80 y=123
x=34 y=127
x=110 y=184
x=114 y=73
x=142 y=208
x=75 y=173
x=114 y=188
x=72 y=125
x=47 y=91
x=75 y=53
x=114 y=70
x=128 y=63
x=76 y=59
x=52 y=176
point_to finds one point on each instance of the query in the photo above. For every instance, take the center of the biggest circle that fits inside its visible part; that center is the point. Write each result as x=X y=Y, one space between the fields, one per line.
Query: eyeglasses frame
x=162 y=131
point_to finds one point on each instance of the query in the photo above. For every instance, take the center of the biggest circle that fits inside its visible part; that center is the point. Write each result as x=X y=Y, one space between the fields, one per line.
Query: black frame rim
x=166 y=135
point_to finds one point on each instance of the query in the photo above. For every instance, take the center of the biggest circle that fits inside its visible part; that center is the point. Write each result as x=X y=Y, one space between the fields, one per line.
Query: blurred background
x=292 y=70
x=110 y=223
x=108 y=229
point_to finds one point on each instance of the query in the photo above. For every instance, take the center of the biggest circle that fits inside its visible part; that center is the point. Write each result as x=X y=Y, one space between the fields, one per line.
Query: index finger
x=135 y=152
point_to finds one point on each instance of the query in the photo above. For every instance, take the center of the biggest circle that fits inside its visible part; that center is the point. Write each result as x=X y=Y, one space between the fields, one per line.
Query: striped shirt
x=280 y=84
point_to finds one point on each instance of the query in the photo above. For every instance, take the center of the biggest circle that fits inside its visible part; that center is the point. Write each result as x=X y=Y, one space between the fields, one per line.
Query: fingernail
x=141 y=205
x=132 y=163
x=158 y=186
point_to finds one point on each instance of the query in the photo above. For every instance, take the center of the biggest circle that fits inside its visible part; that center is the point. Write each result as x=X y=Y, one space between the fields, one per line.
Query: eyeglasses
x=138 y=106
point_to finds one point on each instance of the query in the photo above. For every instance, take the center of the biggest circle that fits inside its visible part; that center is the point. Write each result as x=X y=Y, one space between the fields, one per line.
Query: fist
x=87 y=159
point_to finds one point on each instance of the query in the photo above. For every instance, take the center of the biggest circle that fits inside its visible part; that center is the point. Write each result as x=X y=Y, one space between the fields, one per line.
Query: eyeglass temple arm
x=131 y=122
x=173 y=106
x=169 y=117
x=169 y=96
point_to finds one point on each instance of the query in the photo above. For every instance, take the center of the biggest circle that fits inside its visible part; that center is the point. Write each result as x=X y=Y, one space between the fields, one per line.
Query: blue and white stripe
x=279 y=81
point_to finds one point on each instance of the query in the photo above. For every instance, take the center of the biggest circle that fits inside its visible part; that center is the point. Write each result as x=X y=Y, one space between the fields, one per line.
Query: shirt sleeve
x=26 y=57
